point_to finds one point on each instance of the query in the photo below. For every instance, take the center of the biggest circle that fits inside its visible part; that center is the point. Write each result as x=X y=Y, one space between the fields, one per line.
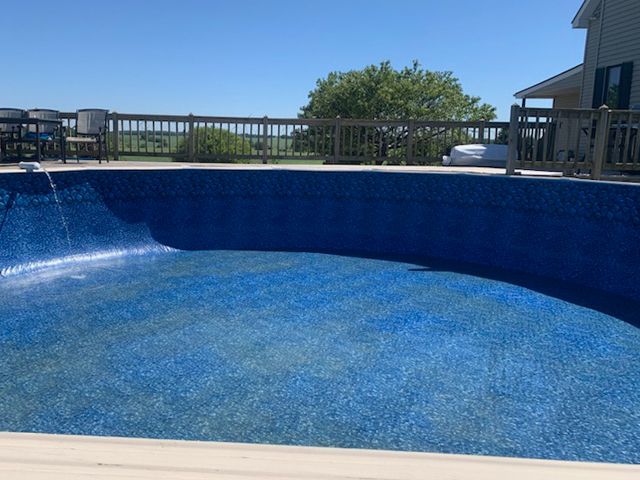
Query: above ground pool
x=428 y=312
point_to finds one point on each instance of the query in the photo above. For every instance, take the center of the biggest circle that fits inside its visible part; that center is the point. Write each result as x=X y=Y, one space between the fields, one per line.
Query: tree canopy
x=381 y=92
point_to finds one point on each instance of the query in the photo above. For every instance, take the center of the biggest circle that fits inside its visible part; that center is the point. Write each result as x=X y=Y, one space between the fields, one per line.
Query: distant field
x=141 y=142
x=163 y=146
x=134 y=158
x=168 y=142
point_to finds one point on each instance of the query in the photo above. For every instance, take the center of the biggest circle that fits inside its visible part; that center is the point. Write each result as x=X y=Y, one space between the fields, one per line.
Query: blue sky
x=252 y=58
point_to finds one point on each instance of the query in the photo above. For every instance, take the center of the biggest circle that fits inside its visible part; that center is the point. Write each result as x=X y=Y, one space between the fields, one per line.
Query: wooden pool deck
x=27 y=456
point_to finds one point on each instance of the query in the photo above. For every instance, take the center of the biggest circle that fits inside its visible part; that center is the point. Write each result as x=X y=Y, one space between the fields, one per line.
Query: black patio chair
x=90 y=133
x=44 y=134
x=10 y=132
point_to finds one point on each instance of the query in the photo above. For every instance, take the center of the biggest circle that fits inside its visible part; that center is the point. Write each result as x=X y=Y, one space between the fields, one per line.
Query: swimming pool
x=428 y=312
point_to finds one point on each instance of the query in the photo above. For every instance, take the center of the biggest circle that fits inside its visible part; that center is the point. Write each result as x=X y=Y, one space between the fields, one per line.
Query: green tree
x=381 y=92
x=216 y=145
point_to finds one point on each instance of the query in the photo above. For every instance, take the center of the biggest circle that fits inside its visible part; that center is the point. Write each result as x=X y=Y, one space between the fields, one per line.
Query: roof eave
x=586 y=11
x=577 y=70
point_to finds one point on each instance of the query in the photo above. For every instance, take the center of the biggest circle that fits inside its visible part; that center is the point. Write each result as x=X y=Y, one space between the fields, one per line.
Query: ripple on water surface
x=314 y=349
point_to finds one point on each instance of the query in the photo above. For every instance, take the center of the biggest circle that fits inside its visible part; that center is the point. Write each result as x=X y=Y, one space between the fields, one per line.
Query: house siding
x=616 y=42
x=570 y=100
x=589 y=64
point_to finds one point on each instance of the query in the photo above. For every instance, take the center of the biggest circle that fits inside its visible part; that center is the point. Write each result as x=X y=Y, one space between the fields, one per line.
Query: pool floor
x=316 y=349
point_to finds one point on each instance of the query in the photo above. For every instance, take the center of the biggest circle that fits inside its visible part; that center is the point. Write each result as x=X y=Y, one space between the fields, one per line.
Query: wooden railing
x=574 y=141
x=240 y=139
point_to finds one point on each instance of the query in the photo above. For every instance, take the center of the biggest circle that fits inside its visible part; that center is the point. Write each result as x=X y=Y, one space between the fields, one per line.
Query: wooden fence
x=336 y=141
x=574 y=141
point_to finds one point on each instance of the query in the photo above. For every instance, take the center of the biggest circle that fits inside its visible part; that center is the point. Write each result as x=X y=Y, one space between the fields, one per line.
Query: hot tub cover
x=477 y=155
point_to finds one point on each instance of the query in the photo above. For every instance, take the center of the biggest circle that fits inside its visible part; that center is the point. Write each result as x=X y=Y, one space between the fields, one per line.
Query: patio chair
x=45 y=133
x=91 y=130
x=9 y=132
x=10 y=113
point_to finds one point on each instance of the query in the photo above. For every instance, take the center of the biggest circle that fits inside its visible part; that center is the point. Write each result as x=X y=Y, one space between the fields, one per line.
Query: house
x=610 y=71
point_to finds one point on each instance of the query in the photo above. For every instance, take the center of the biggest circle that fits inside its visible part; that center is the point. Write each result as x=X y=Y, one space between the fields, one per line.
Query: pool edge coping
x=124 y=165
x=35 y=456
x=54 y=166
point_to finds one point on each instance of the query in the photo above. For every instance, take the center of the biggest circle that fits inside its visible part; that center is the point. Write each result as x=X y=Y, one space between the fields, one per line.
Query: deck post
x=265 y=139
x=481 y=131
x=336 y=140
x=410 y=128
x=601 y=141
x=191 y=150
x=512 y=152
x=38 y=152
x=116 y=136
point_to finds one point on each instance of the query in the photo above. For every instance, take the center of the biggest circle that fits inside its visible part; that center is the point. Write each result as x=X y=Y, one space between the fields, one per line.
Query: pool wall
x=583 y=232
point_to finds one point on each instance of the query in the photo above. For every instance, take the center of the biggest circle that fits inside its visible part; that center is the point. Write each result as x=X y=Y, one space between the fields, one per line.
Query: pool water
x=316 y=349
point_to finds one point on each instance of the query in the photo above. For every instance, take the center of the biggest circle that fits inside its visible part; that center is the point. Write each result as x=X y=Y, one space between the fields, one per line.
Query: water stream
x=58 y=205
